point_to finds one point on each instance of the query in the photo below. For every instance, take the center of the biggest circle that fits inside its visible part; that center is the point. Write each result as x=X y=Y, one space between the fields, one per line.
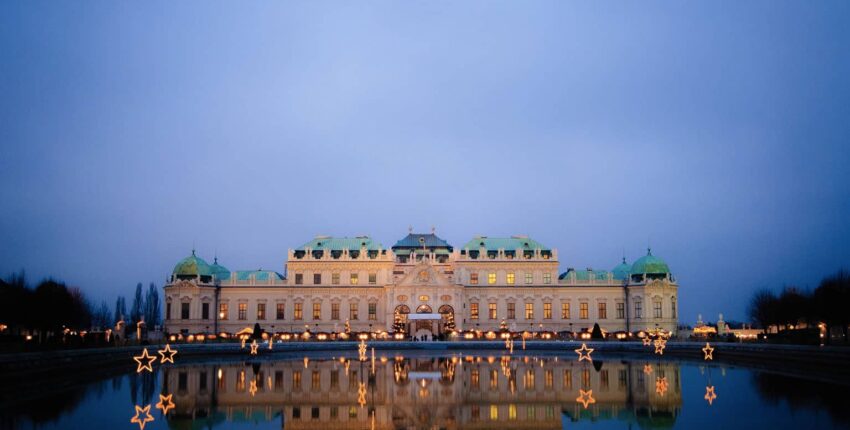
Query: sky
x=718 y=133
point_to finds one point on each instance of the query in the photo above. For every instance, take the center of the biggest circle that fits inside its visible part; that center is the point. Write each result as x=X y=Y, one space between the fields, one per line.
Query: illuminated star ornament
x=660 y=344
x=647 y=369
x=661 y=386
x=254 y=347
x=708 y=351
x=361 y=394
x=585 y=398
x=584 y=353
x=647 y=341
x=361 y=350
x=710 y=396
x=142 y=420
x=167 y=354
x=145 y=357
x=165 y=403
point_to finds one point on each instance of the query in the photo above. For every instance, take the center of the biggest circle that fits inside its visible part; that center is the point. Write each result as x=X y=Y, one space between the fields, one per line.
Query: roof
x=192 y=266
x=586 y=275
x=650 y=264
x=513 y=243
x=418 y=240
x=329 y=243
x=218 y=270
x=259 y=275
x=622 y=270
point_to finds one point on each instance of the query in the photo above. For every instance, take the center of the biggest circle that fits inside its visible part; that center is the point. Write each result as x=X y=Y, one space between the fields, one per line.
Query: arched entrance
x=424 y=328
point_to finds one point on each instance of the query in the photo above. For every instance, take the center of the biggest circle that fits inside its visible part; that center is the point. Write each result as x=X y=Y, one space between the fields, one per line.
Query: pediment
x=424 y=274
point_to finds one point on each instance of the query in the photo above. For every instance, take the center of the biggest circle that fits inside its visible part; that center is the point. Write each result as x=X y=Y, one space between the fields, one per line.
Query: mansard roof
x=329 y=243
x=586 y=275
x=513 y=243
x=259 y=275
x=418 y=240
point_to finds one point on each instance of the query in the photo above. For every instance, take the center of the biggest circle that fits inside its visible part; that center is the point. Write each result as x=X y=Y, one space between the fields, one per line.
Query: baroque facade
x=421 y=285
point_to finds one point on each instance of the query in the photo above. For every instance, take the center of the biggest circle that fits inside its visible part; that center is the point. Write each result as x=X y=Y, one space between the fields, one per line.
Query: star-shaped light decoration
x=142 y=420
x=167 y=354
x=361 y=349
x=254 y=347
x=144 y=357
x=708 y=351
x=253 y=388
x=661 y=386
x=361 y=394
x=165 y=403
x=710 y=395
x=585 y=398
x=646 y=341
x=584 y=353
x=647 y=369
x=660 y=344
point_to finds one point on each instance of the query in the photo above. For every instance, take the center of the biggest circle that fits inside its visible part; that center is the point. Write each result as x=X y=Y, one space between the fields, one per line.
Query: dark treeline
x=828 y=304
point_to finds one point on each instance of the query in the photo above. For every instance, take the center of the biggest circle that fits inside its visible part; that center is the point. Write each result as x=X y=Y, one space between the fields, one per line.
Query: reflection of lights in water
x=142 y=420
x=165 y=403
x=144 y=357
x=647 y=369
x=271 y=343
x=269 y=382
x=584 y=353
x=708 y=351
x=361 y=394
x=306 y=362
x=253 y=388
x=254 y=347
x=361 y=350
x=167 y=354
x=710 y=395
x=660 y=344
x=243 y=343
x=220 y=373
x=585 y=398
x=661 y=385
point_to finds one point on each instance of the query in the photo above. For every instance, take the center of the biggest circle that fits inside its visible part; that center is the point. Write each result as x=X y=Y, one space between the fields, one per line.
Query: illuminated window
x=352 y=311
x=603 y=310
x=296 y=379
x=568 y=379
x=281 y=311
x=243 y=311
x=373 y=278
x=299 y=311
x=511 y=311
x=335 y=278
x=512 y=411
x=373 y=311
x=317 y=278
x=548 y=379
x=494 y=413
x=222 y=311
x=473 y=278
x=353 y=279
x=473 y=311
x=510 y=278
x=316 y=380
x=565 y=311
x=240 y=381
x=529 y=277
x=222 y=380
x=184 y=311
x=547 y=278
x=352 y=412
x=494 y=379
x=491 y=278
x=547 y=311
x=299 y=279
x=529 y=311
x=638 y=309
x=491 y=307
x=583 y=311
x=656 y=309
x=473 y=379
x=424 y=298
x=317 y=311
x=621 y=310
x=261 y=311
x=528 y=379
x=334 y=311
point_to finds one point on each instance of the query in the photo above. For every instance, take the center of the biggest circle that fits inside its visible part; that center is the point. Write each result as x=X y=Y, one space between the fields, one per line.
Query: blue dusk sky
x=717 y=132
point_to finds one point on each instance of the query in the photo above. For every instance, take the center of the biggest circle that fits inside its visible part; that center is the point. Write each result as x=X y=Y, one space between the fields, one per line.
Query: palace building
x=422 y=285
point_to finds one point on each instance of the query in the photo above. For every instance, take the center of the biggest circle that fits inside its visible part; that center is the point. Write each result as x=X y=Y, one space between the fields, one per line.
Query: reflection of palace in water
x=447 y=392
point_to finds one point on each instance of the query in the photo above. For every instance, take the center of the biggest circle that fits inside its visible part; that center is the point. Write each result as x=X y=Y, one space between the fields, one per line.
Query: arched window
x=424 y=309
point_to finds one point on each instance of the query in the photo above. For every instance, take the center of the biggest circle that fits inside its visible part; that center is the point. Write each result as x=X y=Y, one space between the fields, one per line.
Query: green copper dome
x=192 y=266
x=650 y=264
x=219 y=271
x=622 y=270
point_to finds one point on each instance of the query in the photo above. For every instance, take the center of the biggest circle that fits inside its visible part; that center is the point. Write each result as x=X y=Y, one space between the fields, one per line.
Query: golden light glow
x=167 y=354
x=646 y=341
x=253 y=388
x=243 y=343
x=647 y=369
x=142 y=420
x=361 y=350
x=361 y=395
x=271 y=343
x=661 y=386
x=144 y=357
x=710 y=395
x=585 y=398
x=584 y=352
x=660 y=344
x=165 y=403
x=254 y=347
x=708 y=351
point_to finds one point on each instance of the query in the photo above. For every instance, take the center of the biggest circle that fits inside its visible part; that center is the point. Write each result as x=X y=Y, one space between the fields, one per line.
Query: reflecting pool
x=420 y=390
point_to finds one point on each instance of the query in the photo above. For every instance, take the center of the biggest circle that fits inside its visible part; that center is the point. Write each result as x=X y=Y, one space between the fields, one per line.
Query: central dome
x=650 y=265
x=192 y=266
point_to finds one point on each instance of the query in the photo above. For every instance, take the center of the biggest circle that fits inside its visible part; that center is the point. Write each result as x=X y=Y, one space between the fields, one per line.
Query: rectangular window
x=335 y=380
x=529 y=311
x=205 y=311
x=529 y=277
x=184 y=311
x=473 y=278
x=656 y=308
x=281 y=311
x=243 y=311
x=299 y=278
x=296 y=380
x=316 y=380
x=335 y=311
x=373 y=278
x=317 y=311
x=373 y=311
x=510 y=278
x=353 y=279
x=222 y=311
x=603 y=310
x=473 y=311
x=474 y=379
x=494 y=413
x=621 y=310
x=548 y=379
x=638 y=309
x=511 y=311
x=568 y=379
x=673 y=307
x=583 y=311
x=494 y=379
x=335 y=278
x=352 y=311
x=565 y=311
x=547 y=311
x=299 y=311
x=528 y=379
x=278 y=380
x=491 y=310
x=491 y=278
x=547 y=278
x=317 y=278
x=261 y=311
x=168 y=311
x=314 y=413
